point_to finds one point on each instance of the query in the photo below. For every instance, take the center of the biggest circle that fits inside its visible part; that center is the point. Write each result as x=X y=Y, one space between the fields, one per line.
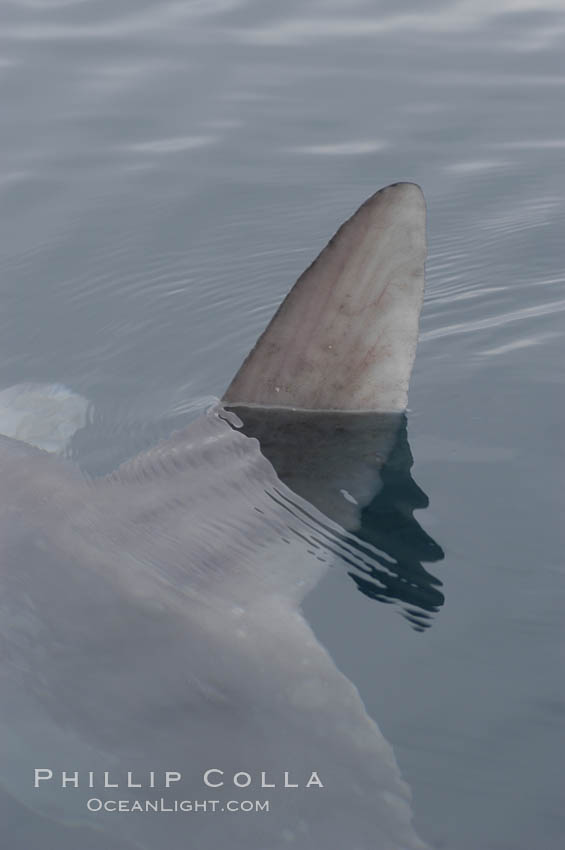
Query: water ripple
x=463 y=16
x=494 y=321
x=352 y=148
x=173 y=145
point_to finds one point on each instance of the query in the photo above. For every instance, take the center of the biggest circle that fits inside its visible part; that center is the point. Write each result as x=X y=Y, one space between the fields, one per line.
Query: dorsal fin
x=345 y=336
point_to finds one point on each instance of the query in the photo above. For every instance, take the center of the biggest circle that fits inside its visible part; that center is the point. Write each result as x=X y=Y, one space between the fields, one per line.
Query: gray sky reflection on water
x=166 y=172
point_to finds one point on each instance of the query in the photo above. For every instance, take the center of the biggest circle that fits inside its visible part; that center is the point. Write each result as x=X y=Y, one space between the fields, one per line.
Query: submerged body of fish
x=160 y=686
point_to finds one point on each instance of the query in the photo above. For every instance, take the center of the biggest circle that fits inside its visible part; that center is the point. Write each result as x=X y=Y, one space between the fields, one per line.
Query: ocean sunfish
x=160 y=687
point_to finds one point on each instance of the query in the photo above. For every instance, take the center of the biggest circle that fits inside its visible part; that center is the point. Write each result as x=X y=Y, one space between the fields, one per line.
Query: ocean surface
x=167 y=169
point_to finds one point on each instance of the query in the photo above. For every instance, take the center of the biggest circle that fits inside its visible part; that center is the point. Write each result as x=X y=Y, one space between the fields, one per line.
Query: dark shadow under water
x=356 y=469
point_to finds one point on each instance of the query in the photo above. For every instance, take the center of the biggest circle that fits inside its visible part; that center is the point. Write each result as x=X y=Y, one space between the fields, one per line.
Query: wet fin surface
x=345 y=336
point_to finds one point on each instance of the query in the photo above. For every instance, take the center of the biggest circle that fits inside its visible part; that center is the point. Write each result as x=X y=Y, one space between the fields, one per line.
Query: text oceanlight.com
x=213 y=780
x=95 y=804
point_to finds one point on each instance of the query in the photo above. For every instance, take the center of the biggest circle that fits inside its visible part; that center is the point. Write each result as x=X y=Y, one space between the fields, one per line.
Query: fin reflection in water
x=356 y=469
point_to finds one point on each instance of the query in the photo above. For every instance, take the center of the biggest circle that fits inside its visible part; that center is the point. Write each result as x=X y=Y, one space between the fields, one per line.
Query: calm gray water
x=167 y=169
